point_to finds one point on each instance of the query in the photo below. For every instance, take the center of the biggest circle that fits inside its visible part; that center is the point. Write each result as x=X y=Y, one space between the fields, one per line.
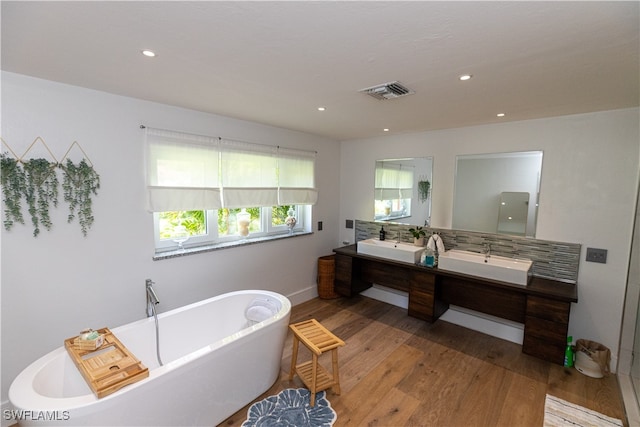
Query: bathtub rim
x=22 y=394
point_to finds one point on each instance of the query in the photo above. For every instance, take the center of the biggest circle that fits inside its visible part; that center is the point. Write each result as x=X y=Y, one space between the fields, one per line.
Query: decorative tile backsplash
x=551 y=260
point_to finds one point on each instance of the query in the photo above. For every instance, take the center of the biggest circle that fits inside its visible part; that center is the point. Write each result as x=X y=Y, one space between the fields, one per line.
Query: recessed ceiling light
x=500 y=115
x=465 y=77
x=321 y=108
x=148 y=53
x=386 y=129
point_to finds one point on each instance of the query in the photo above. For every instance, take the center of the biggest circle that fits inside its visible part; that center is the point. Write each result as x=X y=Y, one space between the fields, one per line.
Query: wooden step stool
x=318 y=340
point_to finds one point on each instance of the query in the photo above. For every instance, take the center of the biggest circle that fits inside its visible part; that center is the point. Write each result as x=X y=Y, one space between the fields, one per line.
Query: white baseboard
x=485 y=323
x=490 y=325
x=303 y=295
x=388 y=295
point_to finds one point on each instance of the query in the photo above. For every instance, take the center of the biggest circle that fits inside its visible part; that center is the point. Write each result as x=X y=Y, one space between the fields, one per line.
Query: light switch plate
x=597 y=255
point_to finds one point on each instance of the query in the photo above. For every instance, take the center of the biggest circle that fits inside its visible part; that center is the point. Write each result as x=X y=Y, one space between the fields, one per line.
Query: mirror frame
x=480 y=180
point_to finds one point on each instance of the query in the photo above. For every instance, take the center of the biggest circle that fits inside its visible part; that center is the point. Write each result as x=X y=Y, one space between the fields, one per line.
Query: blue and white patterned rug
x=291 y=408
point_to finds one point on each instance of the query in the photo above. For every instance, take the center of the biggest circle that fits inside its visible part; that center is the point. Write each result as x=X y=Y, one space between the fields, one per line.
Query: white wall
x=588 y=191
x=60 y=282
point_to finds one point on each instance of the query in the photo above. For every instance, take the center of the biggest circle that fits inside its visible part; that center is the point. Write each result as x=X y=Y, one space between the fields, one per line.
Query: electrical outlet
x=597 y=255
x=349 y=223
x=319 y=225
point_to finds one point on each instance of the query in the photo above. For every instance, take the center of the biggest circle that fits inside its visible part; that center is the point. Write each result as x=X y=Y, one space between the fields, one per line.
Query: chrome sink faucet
x=487 y=250
x=152 y=298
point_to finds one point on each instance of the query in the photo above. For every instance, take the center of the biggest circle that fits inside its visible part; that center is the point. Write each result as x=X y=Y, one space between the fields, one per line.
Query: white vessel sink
x=494 y=267
x=390 y=249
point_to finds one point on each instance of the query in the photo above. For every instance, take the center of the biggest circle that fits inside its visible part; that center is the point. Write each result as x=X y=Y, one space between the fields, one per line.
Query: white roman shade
x=296 y=177
x=192 y=172
x=249 y=175
x=182 y=171
x=393 y=181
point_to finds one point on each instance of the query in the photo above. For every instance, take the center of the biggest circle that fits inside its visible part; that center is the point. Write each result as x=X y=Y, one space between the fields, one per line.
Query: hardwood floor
x=399 y=371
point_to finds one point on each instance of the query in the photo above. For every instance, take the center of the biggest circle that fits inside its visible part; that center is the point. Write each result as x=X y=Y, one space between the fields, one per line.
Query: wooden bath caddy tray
x=109 y=367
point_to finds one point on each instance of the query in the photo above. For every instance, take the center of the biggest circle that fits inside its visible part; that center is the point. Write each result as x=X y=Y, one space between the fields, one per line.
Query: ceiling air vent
x=387 y=91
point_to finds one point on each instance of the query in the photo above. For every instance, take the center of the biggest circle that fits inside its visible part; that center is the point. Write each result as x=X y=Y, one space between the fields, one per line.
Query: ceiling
x=277 y=62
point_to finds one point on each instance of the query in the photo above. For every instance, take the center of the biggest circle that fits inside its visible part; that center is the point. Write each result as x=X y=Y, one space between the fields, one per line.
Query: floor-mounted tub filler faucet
x=152 y=300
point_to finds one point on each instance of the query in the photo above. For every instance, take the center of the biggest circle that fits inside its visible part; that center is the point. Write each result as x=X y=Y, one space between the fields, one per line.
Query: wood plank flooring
x=399 y=371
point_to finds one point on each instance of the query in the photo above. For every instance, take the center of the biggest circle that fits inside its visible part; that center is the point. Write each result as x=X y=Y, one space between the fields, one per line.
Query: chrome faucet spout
x=152 y=298
x=487 y=250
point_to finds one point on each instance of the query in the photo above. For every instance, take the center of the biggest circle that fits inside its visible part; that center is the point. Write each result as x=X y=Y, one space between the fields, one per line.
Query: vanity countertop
x=561 y=291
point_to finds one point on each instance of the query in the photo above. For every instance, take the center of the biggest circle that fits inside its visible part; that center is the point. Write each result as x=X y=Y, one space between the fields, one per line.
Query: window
x=392 y=209
x=198 y=228
x=205 y=190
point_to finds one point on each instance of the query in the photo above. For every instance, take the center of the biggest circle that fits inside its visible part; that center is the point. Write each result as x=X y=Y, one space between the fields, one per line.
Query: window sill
x=226 y=245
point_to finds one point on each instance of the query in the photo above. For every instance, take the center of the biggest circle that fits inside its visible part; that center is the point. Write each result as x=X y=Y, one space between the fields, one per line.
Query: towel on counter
x=261 y=309
x=431 y=244
x=435 y=243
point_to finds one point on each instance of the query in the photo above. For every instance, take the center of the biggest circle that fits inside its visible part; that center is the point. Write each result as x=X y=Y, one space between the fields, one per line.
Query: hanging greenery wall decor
x=79 y=182
x=14 y=181
x=423 y=190
x=41 y=191
x=36 y=180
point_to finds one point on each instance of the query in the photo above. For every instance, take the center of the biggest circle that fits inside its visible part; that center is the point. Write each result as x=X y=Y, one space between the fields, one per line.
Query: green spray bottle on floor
x=568 y=353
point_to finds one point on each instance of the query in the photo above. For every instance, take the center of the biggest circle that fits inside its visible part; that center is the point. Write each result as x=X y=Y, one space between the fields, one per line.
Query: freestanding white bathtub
x=215 y=361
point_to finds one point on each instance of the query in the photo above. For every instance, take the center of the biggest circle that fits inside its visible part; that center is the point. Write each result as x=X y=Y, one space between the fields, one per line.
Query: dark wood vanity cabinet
x=348 y=280
x=546 y=325
x=542 y=306
x=424 y=300
x=475 y=295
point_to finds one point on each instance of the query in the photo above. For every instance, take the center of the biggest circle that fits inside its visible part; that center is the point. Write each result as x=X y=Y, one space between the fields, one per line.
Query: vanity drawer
x=421 y=305
x=546 y=329
x=549 y=309
x=342 y=283
x=424 y=301
x=348 y=281
x=384 y=274
x=421 y=298
x=423 y=280
x=550 y=351
x=502 y=303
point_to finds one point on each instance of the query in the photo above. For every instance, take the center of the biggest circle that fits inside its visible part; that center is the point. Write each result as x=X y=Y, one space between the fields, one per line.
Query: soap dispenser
x=430 y=253
x=428 y=257
x=382 y=233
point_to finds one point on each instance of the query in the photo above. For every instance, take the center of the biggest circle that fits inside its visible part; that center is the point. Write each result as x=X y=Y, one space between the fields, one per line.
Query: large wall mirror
x=497 y=193
x=402 y=190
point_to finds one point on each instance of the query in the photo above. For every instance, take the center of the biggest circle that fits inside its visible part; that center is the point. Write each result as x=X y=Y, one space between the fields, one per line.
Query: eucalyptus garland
x=78 y=184
x=41 y=191
x=14 y=182
x=423 y=190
